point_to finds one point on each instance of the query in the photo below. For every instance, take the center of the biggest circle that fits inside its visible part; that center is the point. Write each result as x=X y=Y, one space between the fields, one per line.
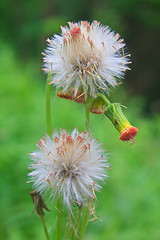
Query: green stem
x=77 y=225
x=48 y=110
x=85 y=223
x=104 y=98
x=67 y=228
x=87 y=114
x=44 y=226
x=59 y=218
x=115 y=114
x=70 y=225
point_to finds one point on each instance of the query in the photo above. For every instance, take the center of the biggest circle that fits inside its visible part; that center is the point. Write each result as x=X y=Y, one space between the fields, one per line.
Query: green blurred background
x=129 y=204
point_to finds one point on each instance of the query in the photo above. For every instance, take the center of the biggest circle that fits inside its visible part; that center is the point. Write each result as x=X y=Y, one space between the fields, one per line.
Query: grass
x=129 y=202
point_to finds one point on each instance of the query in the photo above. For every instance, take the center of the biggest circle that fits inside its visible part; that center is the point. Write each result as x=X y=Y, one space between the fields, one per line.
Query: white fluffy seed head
x=88 y=58
x=70 y=166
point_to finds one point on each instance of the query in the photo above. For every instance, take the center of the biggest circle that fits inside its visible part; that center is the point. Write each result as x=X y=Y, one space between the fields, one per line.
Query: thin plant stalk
x=49 y=132
x=87 y=212
x=67 y=227
x=44 y=226
x=59 y=218
x=48 y=108
x=104 y=98
x=70 y=229
x=77 y=225
x=87 y=105
x=85 y=221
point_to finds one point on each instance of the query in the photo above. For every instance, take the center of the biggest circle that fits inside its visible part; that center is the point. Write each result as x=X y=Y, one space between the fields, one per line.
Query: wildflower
x=69 y=166
x=88 y=58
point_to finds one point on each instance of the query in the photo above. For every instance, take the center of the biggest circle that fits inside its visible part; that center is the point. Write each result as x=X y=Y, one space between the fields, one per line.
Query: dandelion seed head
x=85 y=57
x=70 y=166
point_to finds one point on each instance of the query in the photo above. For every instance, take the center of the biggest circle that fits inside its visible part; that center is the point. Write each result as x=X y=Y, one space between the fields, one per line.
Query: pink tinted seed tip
x=56 y=139
x=75 y=31
x=69 y=139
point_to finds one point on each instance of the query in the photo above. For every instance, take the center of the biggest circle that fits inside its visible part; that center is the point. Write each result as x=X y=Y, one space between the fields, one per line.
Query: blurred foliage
x=128 y=203
x=26 y=24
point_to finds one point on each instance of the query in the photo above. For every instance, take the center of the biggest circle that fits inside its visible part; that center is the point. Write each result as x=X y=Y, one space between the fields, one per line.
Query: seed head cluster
x=88 y=58
x=70 y=166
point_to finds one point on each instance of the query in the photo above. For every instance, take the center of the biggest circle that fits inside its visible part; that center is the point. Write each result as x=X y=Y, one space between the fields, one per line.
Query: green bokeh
x=129 y=203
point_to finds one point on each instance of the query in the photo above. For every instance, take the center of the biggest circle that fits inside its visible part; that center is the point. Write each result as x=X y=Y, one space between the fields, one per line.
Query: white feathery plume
x=88 y=58
x=70 y=166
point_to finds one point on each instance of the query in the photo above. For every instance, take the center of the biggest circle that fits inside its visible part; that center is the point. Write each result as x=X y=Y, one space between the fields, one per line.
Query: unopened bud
x=114 y=112
x=97 y=105
x=39 y=203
